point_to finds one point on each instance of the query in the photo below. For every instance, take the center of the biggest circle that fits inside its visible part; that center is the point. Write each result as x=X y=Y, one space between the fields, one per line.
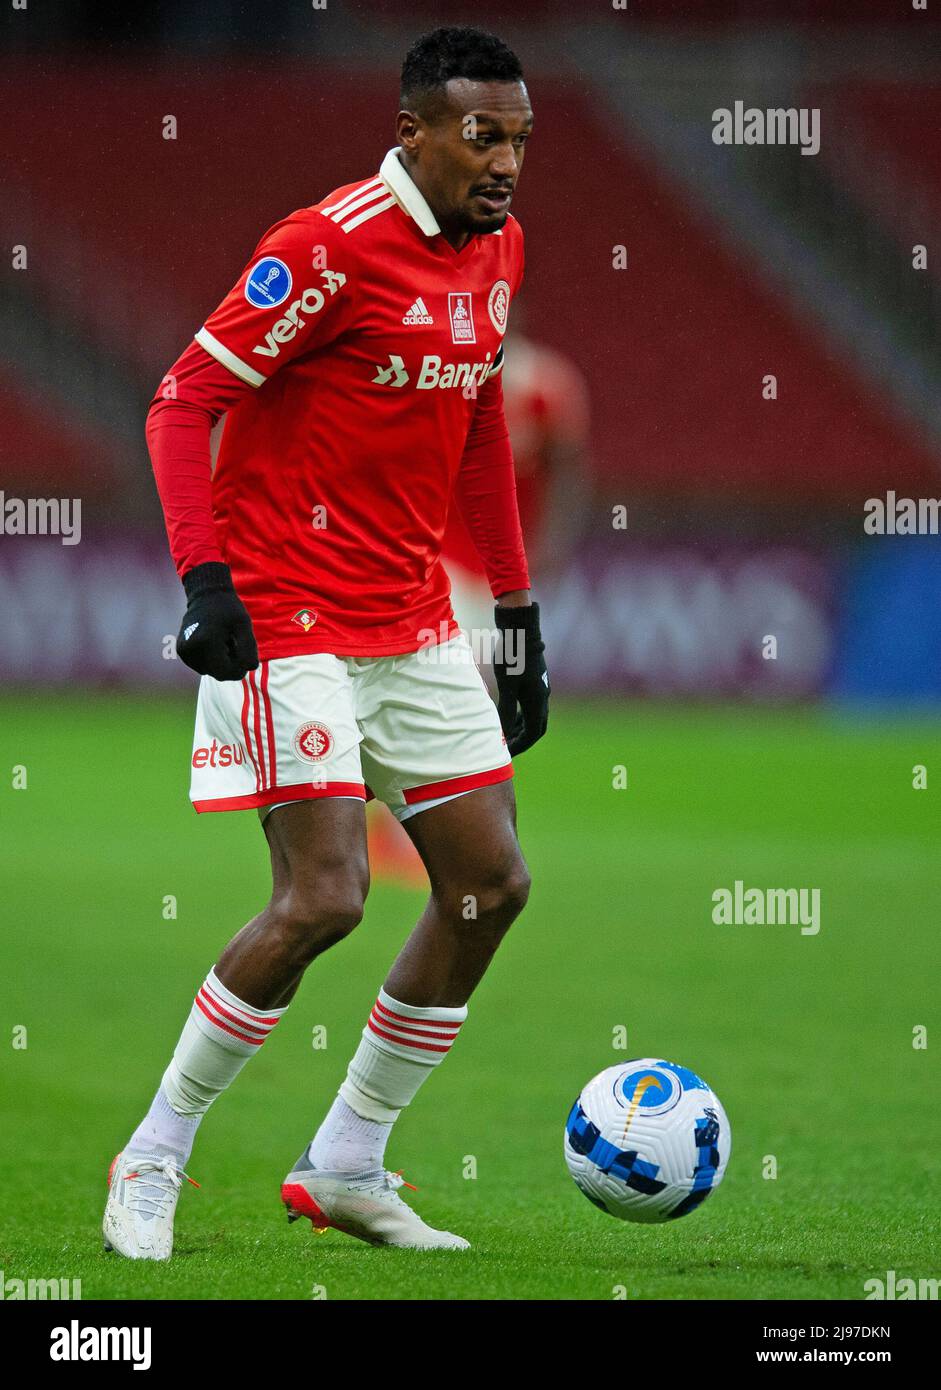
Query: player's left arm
x=485 y=491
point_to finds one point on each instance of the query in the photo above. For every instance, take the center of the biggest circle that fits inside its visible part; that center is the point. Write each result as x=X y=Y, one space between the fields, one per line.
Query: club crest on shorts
x=498 y=305
x=313 y=742
x=305 y=619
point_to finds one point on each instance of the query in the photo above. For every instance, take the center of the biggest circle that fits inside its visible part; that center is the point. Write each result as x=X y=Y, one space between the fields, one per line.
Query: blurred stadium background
x=742 y=519
x=742 y=516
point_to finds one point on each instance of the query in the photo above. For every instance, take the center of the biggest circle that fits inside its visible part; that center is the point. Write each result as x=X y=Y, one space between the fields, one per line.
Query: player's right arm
x=216 y=635
x=295 y=294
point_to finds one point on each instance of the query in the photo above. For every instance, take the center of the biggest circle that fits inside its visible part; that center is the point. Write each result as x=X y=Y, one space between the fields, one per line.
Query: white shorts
x=408 y=730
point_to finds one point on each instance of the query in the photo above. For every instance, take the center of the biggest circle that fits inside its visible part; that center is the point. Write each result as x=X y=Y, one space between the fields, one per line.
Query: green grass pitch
x=806 y=1039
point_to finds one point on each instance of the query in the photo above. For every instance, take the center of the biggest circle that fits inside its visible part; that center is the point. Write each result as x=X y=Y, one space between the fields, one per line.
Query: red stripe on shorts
x=452 y=785
x=305 y=791
x=245 y=729
x=265 y=781
x=269 y=720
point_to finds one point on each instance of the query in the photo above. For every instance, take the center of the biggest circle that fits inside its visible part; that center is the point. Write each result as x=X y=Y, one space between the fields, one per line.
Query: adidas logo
x=418 y=313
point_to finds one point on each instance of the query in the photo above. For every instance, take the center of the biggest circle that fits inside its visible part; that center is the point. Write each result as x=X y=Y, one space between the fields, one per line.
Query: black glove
x=522 y=679
x=216 y=637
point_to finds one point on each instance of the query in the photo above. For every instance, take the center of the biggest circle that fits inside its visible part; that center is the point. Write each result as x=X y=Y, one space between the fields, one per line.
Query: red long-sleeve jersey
x=358 y=362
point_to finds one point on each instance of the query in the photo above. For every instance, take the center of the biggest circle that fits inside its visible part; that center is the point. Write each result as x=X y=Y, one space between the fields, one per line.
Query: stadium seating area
x=887 y=145
x=155 y=230
x=75 y=459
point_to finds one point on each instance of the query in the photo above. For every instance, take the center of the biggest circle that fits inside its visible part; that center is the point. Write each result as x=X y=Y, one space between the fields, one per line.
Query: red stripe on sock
x=246 y=1013
x=211 y=1009
x=215 y=1012
x=405 y=1042
x=419 y=1025
x=217 y=1023
x=395 y=1028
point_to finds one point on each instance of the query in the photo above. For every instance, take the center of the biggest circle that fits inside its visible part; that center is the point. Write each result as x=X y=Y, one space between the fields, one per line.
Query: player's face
x=467 y=159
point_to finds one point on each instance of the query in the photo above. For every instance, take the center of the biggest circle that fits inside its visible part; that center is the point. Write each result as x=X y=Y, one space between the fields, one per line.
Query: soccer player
x=358 y=359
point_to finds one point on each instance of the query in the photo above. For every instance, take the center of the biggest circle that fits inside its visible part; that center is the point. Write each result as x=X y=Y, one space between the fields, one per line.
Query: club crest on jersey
x=312 y=742
x=305 y=619
x=498 y=305
x=268 y=284
x=461 y=314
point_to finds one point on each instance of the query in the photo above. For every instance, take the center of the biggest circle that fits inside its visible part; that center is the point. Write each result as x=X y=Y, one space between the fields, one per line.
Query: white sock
x=220 y=1035
x=163 y=1131
x=400 y=1047
x=346 y=1143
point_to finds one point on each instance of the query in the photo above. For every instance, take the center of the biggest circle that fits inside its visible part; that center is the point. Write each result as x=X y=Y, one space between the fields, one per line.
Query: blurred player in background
x=545 y=399
x=359 y=358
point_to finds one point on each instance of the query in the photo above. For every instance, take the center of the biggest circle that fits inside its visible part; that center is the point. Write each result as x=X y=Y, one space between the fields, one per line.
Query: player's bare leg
x=319 y=882
x=479 y=885
x=320 y=878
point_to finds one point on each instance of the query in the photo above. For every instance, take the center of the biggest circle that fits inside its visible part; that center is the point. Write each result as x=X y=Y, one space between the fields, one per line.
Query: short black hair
x=450 y=52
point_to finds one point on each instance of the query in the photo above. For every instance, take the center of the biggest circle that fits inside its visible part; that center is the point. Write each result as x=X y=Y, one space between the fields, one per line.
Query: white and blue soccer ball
x=647 y=1141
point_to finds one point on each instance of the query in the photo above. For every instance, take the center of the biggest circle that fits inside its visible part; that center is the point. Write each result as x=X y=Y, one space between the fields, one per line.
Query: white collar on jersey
x=407 y=193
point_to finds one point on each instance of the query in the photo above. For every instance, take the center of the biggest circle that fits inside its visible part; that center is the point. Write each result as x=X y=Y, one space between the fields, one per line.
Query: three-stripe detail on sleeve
x=359 y=206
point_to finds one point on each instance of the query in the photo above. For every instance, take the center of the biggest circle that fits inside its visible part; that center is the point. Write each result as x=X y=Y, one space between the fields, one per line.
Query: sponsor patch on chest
x=461 y=314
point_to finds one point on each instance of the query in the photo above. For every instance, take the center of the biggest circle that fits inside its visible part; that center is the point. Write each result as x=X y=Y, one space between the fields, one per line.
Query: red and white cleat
x=143 y=1190
x=364 y=1205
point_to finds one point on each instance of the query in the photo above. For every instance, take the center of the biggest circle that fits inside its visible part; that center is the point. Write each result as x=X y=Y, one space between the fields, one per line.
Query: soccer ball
x=647 y=1141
